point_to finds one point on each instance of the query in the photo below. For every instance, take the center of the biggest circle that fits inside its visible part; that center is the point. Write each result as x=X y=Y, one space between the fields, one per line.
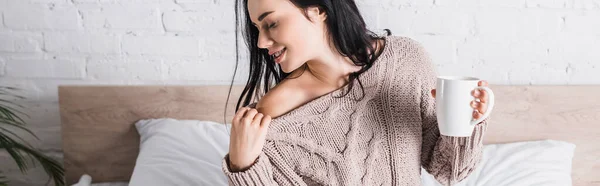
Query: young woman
x=338 y=104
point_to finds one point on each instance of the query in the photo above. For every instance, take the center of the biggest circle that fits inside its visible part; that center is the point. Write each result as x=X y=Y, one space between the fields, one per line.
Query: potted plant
x=21 y=152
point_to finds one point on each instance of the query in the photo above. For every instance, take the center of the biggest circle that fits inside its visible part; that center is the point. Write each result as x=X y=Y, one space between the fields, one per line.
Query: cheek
x=305 y=40
x=296 y=39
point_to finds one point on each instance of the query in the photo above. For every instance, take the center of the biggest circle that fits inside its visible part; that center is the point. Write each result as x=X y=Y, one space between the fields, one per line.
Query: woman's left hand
x=479 y=106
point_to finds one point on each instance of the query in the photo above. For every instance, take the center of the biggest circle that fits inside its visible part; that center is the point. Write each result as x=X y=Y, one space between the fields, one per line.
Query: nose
x=264 y=41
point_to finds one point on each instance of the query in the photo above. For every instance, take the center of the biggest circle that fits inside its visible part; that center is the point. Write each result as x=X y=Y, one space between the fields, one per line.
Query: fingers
x=474 y=104
x=482 y=83
x=482 y=98
x=250 y=113
x=481 y=95
x=249 y=116
x=479 y=106
x=476 y=115
x=261 y=122
x=433 y=93
x=240 y=114
x=256 y=120
x=482 y=108
x=244 y=116
x=265 y=122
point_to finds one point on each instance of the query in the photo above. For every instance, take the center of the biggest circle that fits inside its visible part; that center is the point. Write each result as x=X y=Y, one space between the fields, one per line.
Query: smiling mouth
x=278 y=53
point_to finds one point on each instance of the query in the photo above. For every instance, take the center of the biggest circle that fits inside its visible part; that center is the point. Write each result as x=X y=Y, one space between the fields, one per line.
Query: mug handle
x=489 y=107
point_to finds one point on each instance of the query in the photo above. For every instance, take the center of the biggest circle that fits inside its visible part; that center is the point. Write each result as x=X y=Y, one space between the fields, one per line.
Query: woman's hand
x=479 y=106
x=248 y=132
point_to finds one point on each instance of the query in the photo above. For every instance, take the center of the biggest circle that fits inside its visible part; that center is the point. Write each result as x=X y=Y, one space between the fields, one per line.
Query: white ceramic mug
x=453 y=105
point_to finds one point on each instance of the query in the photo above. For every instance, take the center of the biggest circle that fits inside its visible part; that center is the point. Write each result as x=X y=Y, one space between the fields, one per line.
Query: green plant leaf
x=7 y=87
x=16 y=150
x=13 y=110
x=9 y=90
x=8 y=120
x=15 y=135
x=9 y=94
x=3 y=182
x=20 y=126
x=22 y=152
x=11 y=116
x=51 y=166
x=12 y=103
x=10 y=146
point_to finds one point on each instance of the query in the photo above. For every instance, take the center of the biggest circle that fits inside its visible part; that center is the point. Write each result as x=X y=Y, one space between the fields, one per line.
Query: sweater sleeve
x=260 y=173
x=269 y=169
x=448 y=159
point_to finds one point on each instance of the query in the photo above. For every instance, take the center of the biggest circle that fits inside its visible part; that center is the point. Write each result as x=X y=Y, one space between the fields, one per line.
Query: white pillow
x=180 y=152
x=545 y=162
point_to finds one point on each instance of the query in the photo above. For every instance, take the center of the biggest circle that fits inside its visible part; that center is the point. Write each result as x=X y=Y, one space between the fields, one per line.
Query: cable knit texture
x=383 y=139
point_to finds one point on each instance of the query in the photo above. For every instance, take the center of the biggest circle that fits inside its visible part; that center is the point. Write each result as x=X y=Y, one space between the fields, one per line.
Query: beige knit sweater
x=383 y=139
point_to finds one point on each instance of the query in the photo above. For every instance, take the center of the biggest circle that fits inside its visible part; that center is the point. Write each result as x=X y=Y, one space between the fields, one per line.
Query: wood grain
x=99 y=137
x=567 y=113
x=98 y=134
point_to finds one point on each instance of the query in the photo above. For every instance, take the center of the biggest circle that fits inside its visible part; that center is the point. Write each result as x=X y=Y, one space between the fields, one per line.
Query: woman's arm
x=448 y=159
x=243 y=168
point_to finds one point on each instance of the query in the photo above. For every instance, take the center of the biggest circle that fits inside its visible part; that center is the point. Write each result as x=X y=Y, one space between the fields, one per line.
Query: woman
x=342 y=106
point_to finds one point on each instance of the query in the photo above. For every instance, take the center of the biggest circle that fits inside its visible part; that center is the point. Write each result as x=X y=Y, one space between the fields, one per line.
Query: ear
x=316 y=14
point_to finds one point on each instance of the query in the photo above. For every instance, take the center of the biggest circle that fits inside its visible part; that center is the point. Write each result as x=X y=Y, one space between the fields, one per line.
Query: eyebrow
x=263 y=15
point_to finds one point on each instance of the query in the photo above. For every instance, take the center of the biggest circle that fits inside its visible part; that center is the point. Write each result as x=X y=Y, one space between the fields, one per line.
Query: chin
x=287 y=69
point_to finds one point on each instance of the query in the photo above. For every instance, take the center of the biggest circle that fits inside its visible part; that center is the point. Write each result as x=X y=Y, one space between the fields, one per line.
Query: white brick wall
x=82 y=43
x=117 y=17
x=46 y=43
x=38 y=17
x=161 y=45
x=26 y=42
x=46 y=68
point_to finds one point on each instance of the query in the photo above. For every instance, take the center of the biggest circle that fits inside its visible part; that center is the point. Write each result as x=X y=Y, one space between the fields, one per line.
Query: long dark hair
x=346 y=29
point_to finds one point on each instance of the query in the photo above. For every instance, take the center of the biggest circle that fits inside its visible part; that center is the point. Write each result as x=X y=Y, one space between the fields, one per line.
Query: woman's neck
x=332 y=69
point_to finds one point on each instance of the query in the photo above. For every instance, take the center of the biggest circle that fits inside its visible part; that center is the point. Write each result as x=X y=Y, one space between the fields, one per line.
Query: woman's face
x=286 y=33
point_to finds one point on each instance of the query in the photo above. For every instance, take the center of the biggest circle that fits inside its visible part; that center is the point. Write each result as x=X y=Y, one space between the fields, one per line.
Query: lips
x=278 y=56
x=278 y=53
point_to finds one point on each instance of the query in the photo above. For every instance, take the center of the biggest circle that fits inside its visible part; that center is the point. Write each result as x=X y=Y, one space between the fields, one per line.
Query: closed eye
x=273 y=25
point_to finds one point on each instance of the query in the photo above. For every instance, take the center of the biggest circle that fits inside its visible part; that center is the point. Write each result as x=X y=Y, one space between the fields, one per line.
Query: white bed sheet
x=545 y=162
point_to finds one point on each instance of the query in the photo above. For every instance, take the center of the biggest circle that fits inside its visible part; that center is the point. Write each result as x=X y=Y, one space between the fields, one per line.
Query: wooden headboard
x=99 y=137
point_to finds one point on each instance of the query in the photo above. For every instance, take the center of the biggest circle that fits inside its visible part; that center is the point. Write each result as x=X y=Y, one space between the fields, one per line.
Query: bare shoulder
x=281 y=99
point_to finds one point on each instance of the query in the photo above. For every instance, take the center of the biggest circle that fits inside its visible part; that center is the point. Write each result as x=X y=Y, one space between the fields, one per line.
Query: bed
x=99 y=138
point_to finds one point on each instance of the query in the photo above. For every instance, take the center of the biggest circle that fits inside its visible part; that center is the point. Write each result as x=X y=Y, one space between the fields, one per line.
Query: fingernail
x=477 y=93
